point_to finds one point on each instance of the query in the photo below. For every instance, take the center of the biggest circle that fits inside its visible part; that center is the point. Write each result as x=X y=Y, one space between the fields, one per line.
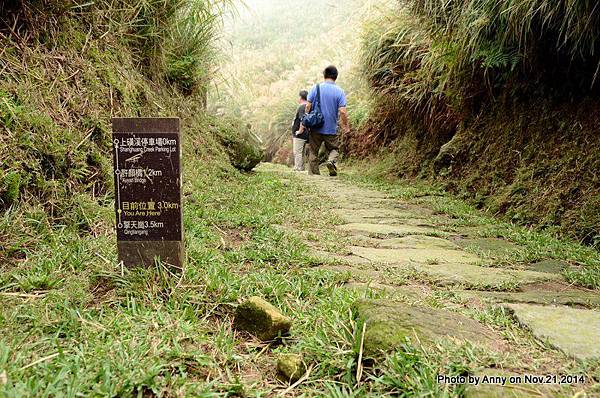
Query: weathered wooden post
x=147 y=168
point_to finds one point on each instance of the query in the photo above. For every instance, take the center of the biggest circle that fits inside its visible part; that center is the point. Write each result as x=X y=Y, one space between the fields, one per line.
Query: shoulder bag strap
x=318 y=105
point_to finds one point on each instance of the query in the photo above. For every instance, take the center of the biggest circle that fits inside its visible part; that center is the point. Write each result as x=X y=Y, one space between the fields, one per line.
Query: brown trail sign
x=147 y=167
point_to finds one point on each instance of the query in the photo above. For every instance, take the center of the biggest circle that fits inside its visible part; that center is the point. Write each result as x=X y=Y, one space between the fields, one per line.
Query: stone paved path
x=405 y=249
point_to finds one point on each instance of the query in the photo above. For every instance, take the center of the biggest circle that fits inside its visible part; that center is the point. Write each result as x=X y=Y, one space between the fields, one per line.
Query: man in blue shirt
x=333 y=107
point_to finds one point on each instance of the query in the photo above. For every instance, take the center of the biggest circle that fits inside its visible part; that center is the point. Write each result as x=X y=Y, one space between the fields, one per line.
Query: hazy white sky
x=256 y=11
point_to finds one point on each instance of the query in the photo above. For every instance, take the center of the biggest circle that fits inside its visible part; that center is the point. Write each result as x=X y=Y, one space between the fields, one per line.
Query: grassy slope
x=107 y=331
x=72 y=322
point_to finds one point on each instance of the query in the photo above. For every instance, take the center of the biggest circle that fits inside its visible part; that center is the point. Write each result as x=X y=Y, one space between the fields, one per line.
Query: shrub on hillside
x=435 y=55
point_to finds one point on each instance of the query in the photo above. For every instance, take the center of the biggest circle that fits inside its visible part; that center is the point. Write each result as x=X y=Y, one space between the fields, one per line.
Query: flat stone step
x=406 y=242
x=574 y=331
x=545 y=294
x=549 y=266
x=490 y=385
x=411 y=292
x=386 y=229
x=366 y=275
x=327 y=257
x=475 y=276
x=382 y=214
x=349 y=217
x=363 y=203
x=389 y=324
x=424 y=255
x=492 y=246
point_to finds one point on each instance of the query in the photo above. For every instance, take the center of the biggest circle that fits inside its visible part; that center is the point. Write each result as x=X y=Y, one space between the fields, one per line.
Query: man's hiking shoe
x=332 y=168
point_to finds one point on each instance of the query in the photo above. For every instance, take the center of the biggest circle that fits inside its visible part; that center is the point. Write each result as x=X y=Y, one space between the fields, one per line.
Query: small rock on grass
x=261 y=319
x=291 y=367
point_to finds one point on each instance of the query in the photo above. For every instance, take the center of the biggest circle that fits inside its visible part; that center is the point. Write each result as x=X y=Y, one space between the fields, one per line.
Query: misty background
x=275 y=48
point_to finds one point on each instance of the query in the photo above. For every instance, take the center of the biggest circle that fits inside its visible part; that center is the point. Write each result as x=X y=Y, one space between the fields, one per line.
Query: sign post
x=147 y=169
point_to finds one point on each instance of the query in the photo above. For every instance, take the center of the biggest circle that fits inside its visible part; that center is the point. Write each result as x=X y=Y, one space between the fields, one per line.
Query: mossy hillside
x=536 y=164
x=461 y=95
x=532 y=163
x=60 y=87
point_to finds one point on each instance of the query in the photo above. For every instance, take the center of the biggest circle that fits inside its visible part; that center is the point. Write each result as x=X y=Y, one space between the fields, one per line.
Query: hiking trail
x=409 y=254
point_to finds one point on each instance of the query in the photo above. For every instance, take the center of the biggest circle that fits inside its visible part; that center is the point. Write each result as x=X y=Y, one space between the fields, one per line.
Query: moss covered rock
x=539 y=294
x=390 y=324
x=496 y=383
x=290 y=367
x=261 y=319
x=243 y=146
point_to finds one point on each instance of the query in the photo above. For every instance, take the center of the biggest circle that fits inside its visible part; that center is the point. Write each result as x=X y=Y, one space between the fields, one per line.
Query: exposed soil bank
x=535 y=162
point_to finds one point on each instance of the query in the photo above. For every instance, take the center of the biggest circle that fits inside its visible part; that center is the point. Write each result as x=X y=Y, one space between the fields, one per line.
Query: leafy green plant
x=588 y=276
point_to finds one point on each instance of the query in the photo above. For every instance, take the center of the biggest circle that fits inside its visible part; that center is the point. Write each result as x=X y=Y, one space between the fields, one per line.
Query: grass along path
x=430 y=259
x=72 y=322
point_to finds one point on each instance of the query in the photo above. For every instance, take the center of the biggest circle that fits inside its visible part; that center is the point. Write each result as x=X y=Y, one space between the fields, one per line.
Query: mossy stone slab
x=350 y=192
x=493 y=246
x=386 y=229
x=381 y=215
x=350 y=217
x=406 y=242
x=339 y=258
x=477 y=276
x=569 y=297
x=574 y=331
x=473 y=231
x=261 y=319
x=363 y=203
x=425 y=255
x=419 y=242
x=389 y=324
x=404 y=292
x=492 y=387
x=549 y=266
x=510 y=391
x=364 y=274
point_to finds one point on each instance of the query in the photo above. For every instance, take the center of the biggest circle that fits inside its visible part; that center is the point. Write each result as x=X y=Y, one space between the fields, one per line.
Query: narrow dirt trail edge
x=428 y=277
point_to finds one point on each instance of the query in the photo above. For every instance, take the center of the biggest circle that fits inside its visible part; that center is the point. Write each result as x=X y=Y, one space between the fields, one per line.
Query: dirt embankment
x=498 y=102
x=535 y=162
